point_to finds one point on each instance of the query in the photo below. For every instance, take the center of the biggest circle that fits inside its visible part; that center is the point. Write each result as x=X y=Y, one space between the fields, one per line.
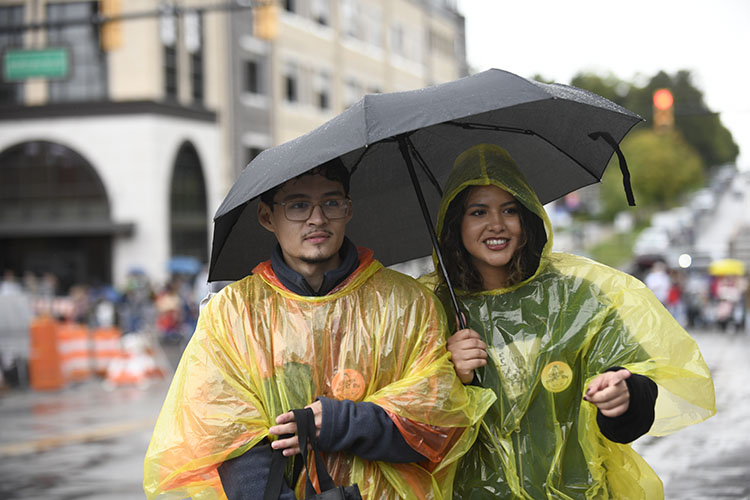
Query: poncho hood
x=491 y=165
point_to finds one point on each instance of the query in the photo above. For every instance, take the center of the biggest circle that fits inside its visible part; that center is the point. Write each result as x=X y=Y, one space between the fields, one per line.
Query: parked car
x=652 y=240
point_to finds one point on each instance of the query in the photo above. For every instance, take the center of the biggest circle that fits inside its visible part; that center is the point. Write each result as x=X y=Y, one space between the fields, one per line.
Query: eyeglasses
x=301 y=210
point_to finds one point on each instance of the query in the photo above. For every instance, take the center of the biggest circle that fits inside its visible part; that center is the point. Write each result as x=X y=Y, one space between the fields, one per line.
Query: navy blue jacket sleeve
x=365 y=430
x=638 y=418
x=245 y=477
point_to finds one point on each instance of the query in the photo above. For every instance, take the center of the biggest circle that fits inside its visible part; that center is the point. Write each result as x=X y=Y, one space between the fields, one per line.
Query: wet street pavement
x=87 y=442
x=711 y=460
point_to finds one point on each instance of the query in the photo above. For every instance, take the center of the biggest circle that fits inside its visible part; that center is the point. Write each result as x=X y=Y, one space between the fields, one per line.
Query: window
x=349 y=18
x=194 y=46
x=291 y=83
x=406 y=43
x=352 y=92
x=372 y=26
x=322 y=87
x=43 y=181
x=170 y=72
x=252 y=77
x=252 y=152
x=11 y=92
x=188 y=206
x=88 y=74
x=397 y=39
x=321 y=12
x=441 y=43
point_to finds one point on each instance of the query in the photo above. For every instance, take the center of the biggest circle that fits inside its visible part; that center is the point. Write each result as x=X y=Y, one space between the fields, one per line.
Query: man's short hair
x=333 y=170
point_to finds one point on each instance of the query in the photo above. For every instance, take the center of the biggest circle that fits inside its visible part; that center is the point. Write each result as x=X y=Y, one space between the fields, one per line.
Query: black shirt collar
x=331 y=279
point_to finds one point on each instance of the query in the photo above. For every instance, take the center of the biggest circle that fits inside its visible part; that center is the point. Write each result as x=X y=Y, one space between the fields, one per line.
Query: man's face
x=312 y=242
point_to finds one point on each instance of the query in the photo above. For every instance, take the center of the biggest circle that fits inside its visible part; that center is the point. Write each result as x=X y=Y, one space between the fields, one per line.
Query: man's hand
x=286 y=425
x=468 y=352
x=609 y=393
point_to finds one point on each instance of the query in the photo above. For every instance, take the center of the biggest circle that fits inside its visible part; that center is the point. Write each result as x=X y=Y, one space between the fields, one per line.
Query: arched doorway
x=54 y=215
x=188 y=226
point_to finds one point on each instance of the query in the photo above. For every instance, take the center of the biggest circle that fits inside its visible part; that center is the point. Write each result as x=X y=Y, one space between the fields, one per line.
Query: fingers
x=609 y=393
x=285 y=425
x=606 y=379
x=281 y=429
x=468 y=352
x=286 y=418
x=289 y=446
x=458 y=323
x=317 y=408
x=468 y=336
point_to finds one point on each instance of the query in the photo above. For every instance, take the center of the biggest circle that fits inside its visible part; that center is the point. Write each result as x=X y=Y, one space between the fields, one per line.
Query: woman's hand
x=609 y=393
x=286 y=425
x=468 y=352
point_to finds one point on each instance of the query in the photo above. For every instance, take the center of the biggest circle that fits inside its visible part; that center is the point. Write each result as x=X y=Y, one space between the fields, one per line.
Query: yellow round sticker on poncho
x=348 y=384
x=557 y=376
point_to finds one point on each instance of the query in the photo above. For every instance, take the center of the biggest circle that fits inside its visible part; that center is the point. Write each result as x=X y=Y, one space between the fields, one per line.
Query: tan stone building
x=119 y=140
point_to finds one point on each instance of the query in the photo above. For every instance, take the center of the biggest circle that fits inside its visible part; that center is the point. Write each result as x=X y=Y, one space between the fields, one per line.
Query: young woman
x=576 y=352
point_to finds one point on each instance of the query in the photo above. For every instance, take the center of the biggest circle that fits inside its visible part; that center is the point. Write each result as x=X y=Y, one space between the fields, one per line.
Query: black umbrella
x=561 y=137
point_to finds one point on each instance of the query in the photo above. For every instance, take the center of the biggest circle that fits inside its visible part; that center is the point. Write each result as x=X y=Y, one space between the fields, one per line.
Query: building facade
x=119 y=140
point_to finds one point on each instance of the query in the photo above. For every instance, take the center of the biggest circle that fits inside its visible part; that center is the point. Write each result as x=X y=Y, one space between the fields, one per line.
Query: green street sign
x=21 y=64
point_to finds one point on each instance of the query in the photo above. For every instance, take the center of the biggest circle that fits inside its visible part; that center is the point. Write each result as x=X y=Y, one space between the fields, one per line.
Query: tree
x=662 y=166
x=700 y=127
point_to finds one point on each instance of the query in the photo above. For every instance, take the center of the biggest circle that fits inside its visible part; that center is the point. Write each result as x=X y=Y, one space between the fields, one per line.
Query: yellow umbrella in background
x=727 y=267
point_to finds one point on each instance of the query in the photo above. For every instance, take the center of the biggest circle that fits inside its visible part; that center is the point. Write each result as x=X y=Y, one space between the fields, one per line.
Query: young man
x=322 y=324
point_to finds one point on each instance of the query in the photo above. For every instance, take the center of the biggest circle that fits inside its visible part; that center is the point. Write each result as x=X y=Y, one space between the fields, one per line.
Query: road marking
x=98 y=434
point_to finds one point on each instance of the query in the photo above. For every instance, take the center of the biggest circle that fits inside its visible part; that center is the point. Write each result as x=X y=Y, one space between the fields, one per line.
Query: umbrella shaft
x=403 y=146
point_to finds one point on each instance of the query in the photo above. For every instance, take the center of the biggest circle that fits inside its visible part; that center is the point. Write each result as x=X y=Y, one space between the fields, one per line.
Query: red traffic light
x=663 y=99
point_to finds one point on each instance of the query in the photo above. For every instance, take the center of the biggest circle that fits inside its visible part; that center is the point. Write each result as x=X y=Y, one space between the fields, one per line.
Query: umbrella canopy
x=562 y=138
x=726 y=267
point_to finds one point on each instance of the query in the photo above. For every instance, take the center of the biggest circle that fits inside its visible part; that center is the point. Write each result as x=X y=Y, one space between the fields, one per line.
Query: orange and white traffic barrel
x=107 y=348
x=45 y=367
x=75 y=351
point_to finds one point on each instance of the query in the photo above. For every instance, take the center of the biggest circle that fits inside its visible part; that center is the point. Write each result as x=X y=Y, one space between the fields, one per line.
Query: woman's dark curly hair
x=462 y=272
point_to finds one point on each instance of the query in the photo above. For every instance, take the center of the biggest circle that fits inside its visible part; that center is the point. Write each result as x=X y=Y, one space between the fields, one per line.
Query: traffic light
x=663 y=110
x=110 y=32
x=265 y=20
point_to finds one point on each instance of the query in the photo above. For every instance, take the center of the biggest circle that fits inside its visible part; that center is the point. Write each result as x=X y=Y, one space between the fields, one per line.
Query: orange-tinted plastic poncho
x=547 y=338
x=260 y=350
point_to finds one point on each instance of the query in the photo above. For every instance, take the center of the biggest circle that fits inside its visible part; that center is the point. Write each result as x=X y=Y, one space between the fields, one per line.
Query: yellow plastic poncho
x=547 y=338
x=260 y=350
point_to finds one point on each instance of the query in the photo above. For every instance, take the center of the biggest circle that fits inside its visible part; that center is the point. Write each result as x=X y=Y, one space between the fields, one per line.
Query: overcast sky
x=632 y=39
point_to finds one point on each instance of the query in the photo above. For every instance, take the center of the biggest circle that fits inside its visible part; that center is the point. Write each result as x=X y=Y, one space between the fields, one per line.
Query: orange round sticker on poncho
x=557 y=376
x=348 y=384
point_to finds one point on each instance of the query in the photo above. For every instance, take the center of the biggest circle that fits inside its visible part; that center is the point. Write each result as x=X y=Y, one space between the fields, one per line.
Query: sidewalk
x=83 y=442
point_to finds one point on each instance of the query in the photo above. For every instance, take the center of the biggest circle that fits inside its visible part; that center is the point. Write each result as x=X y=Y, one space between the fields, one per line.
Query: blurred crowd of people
x=698 y=299
x=171 y=310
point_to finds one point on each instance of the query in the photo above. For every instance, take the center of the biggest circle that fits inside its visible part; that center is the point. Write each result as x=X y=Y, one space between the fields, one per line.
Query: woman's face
x=491 y=232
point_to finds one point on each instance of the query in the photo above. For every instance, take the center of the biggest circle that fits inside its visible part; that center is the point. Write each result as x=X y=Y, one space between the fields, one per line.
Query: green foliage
x=663 y=166
x=609 y=86
x=700 y=127
x=616 y=250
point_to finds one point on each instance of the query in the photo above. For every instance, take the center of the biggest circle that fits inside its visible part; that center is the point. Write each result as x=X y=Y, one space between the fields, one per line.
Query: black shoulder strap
x=275 y=476
x=306 y=434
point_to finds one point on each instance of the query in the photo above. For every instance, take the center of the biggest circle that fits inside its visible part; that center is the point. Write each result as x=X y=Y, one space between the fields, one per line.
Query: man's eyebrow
x=301 y=196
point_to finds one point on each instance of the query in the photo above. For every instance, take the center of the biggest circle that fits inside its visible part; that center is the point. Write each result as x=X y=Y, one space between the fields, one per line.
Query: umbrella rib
x=356 y=163
x=516 y=130
x=424 y=166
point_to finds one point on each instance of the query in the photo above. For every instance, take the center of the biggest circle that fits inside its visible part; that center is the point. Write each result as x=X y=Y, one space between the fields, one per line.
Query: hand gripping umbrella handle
x=403 y=146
